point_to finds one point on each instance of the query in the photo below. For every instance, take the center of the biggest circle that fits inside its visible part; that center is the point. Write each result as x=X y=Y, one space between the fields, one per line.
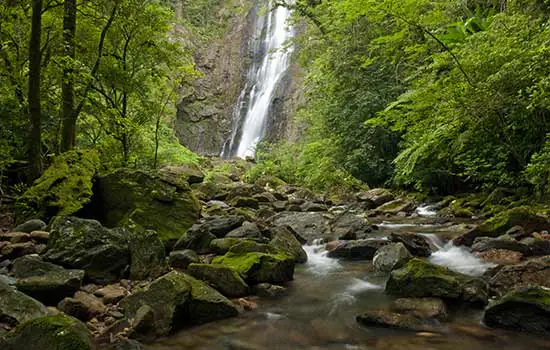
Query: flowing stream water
x=270 y=64
x=319 y=311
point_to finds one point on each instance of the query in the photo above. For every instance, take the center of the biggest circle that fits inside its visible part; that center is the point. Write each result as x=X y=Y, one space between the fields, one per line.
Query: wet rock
x=536 y=247
x=16 y=307
x=310 y=226
x=284 y=241
x=348 y=226
x=500 y=256
x=51 y=333
x=82 y=306
x=535 y=271
x=244 y=202
x=187 y=173
x=525 y=309
x=502 y=222
x=420 y=278
x=416 y=244
x=482 y=244
x=256 y=267
x=248 y=230
x=388 y=319
x=16 y=250
x=389 y=256
x=220 y=226
x=378 y=196
x=180 y=259
x=197 y=238
x=15 y=237
x=31 y=225
x=147 y=255
x=396 y=206
x=363 y=249
x=85 y=244
x=268 y=290
x=40 y=236
x=421 y=307
x=224 y=279
x=44 y=281
x=111 y=294
x=147 y=201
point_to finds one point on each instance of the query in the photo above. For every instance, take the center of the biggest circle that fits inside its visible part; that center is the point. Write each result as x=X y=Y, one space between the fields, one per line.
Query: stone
x=500 y=256
x=269 y=290
x=525 y=309
x=313 y=207
x=363 y=249
x=197 y=238
x=30 y=225
x=416 y=244
x=146 y=200
x=396 y=206
x=180 y=259
x=348 y=226
x=517 y=232
x=143 y=324
x=16 y=250
x=15 y=237
x=378 y=196
x=87 y=245
x=482 y=244
x=420 y=278
x=249 y=246
x=536 y=247
x=534 y=271
x=388 y=319
x=224 y=279
x=64 y=189
x=284 y=241
x=256 y=267
x=51 y=333
x=187 y=173
x=40 y=236
x=244 y=202
x=220 y=226
x=265 y=197
x=46 y=282
x=17 y=307
x=111 y=294
x=310 y=226
x=421 y=307
x=502 y=222
x=82 y=306
x=389 y=256
x=248 y=230
x=147 y=255
x=125 y=344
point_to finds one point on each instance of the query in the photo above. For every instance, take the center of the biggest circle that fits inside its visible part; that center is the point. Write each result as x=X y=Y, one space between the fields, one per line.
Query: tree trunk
x=35 y=141
x=67 y=88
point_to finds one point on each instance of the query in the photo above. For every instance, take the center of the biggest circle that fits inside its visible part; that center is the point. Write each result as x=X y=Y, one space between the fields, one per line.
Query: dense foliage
x=437 y=95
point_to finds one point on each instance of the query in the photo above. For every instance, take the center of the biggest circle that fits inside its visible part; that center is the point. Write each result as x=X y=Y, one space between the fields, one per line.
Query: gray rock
x=396 y=206
x=482 y=244
x=363 y=249
x=180 y=259
x=147 y=255
x=31 y=225
x=197 y=238
x=284 y=241
x=82 y=306
x=416 y=244
x=389 y=256
x=389 y=319
x=421 y=307
x=378 y=196
x=17 y=308
x=310 y=226
x=531 y=272
x=219 y=226
x=224 y=279
x=248 y=230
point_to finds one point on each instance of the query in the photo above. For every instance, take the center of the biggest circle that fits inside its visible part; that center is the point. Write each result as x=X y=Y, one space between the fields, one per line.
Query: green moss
x=507 y=219
x=242 y=263
x=63 y=189
x=529 y=295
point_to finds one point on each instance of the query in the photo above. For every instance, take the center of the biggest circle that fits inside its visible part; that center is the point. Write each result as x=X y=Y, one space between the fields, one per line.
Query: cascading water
x=270 y=63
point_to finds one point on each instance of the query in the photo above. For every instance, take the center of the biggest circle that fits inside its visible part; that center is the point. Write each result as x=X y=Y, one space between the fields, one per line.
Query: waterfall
x=270 y=63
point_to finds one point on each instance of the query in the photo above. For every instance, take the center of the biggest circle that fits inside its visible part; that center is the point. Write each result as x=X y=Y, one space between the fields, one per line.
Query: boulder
x=64 y=189
x=265 y=197
x=284 y=241
x=420 y=278
x=16 y=250
x=244 y=202
x=416 y=244
x=387 y=257
x=85 y=244
x=44 y=281
x=378 y=196
x=82 y=306
x=248 y=230
x=310 y=226
x=349 y=226
x=363 y=249
x=500 y=256
x=502 y=222
x=146 y=200
x=197 y=238
x=421 y=307
x=483 y=244
x=396 y=206
x=180 y=259
x=15 y=237
x=525 y=309
x=147 y=255
x=188 y=173
x=17 y=308
x=256 y=267
x=221 y=246
x=268 y=290
x=40 y=236
x=111 y=294
x=536 y=246
x=222 y=278
x=178 y=300
x=395 y=320
x=30 y=226
x=220 y=226
x=535 y=271
x=51 y=333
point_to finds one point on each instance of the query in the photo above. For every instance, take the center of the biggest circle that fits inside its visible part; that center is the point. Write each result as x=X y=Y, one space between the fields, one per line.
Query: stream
x=319 y=309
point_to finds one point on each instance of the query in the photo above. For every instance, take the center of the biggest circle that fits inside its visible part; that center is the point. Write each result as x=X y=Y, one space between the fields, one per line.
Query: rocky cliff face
x=205 y=112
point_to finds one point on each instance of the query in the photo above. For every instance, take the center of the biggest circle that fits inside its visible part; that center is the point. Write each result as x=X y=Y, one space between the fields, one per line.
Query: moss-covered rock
x=257 y=267
x=526 y=309
x=85 y=244
x=221 y=246
x=244 y=202
x=249 y=246
x=180 y=259
x=64 y=188
x=51 y=333
x=498 y=225
x=147 y=255
x=197 y=238
x=146 y=200
x=389 y=256
x=222 y=278
x=531 y=272
x=17 y=308
x=420 y=278
x=284 y=241
x=187 y=173
x=396 y=206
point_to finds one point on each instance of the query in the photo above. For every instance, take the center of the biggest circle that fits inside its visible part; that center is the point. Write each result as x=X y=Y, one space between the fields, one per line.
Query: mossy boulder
x=17 y=308
x=46 y=282
x=147 y=255
x=284 y=241
x=534 y=271
x=526 y=309
x=256 y=267
x=221 y=246
x=222 y=278
x=197 y=238
x=178 y=300
x=420 y=278
x=146 y=200
x=396 y=206
x=389 y=256
x=85 y=244
x=249 y=246
x=502 y=222
x=187 y=173
x=64 y=189
x=51 y=333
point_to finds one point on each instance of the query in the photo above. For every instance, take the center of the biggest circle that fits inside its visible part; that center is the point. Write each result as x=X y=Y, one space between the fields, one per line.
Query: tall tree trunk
x=67 y=88
x=35 y=141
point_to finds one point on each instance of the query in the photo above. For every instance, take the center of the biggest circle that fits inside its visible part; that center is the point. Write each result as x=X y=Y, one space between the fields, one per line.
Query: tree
x=67 y=87
x=35 y=118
